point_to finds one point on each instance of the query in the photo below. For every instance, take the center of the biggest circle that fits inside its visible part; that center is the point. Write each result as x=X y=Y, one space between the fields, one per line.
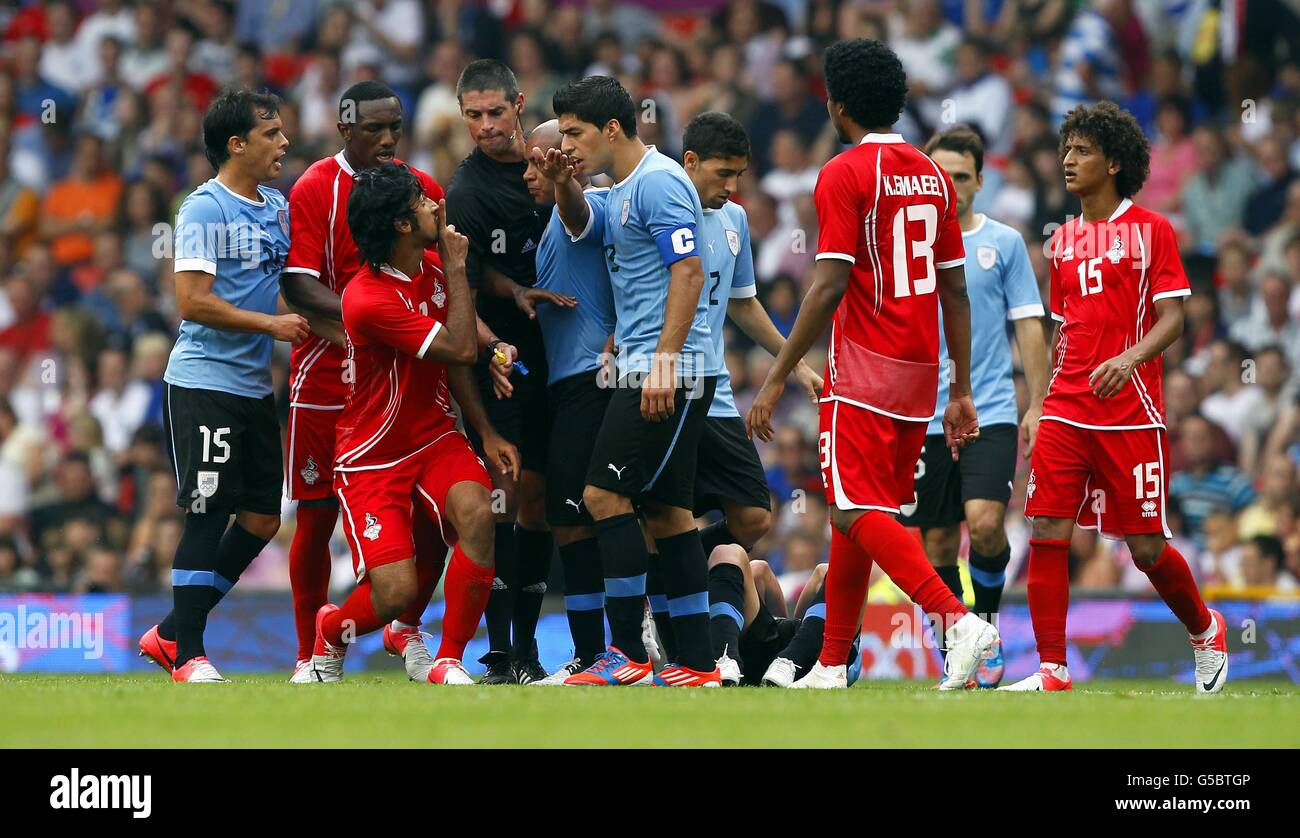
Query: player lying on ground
x=1001 y=285
x=1117 y=290
x=648 y=441
x=888 y=239
x=398 y=448
x=232 y=234
x=322 y=258
x=756 y=643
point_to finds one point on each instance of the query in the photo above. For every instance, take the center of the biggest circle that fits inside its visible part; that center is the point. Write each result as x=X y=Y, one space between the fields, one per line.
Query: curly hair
x=381 y=195
x=1120 y=138
x=867 y=78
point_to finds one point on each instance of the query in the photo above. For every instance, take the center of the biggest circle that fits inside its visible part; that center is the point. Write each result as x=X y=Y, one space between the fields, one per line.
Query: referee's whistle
x=505 y=362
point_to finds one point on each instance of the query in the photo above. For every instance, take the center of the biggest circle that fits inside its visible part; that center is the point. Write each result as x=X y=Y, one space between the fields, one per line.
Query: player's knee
x=1051 y=529
x=987 y=536
x=390 y=600
x=602 y=503
x=843 y=519
x=475 y=521
x=263 y=526
x=727 y=554
x=818 y=574
x=1146 y=550
x=749 y=525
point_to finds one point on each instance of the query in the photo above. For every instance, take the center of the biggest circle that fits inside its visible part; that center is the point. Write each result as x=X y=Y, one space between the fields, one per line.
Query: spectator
x=387 y=34
x=1271 y=324
x=1236 y=294
x=981 y=98
x=791 y=108
x=65 y=60
x=119 y=404
x=790 y=176
x=926 y=44
x=146 y=58
x=29 y=331
x=112 y=19
x=15 y=577
x=1204 y=485
x=1231 y=402
x=1090 y=66
x=1261 y=565
x=1272 y=377
x=441 y=140
x=1173 y=158
x=631 y=23
x=76 y=500
x=19 y=206
x=1214 y=200
x=1278 y=490
x=81 y=205
x=1267 y=203
x=104 y=101
x=272 y=27
x=102 y=573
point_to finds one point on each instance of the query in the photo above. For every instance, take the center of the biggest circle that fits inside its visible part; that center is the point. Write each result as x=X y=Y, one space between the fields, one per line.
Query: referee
x=232 y=237
x=488 y=201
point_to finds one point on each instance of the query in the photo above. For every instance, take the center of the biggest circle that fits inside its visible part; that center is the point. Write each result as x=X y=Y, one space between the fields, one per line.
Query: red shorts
x=868 y=459
x=309 y=455
x=378 y=504
x=1110 y=481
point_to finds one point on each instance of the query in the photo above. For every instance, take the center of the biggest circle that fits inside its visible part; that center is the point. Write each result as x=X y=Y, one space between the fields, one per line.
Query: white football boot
x=781 y=673
x=968 y=640
x=823 y=678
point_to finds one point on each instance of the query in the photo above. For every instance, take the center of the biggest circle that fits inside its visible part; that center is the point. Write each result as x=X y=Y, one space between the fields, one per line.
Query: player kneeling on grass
x=397 y=446
x=754 y=640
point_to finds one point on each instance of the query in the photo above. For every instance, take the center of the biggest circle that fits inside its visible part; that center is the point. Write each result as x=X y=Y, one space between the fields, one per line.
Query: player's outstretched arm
x=555 y=166
x=748 y=313
x=196 y=302
x=497 y=284
x=464 y=390
x=1033 y=356
x=1111 y=376
x=960 y=424
x=829 y=284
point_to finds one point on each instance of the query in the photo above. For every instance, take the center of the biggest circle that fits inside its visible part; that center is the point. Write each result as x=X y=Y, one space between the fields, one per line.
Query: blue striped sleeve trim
x=817 y=609
x=689 y=604
x=625 y=585
x=726 y=609
x=987 y=578
x=207 y=578
x=658 y=603
x=584 y=602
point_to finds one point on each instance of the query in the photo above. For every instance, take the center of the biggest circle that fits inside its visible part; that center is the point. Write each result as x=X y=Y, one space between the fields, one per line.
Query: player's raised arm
x=556 y=166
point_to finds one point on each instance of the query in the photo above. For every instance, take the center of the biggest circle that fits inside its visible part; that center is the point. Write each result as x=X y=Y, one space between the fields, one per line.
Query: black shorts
x=766 y=637
x=728 y=467
x=520 y=419
x=225 y=451
x=984 y=471
x=639 y=459
x=578 y=405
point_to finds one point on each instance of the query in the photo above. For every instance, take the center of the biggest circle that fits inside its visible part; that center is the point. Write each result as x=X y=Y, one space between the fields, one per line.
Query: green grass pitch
x=147 y=710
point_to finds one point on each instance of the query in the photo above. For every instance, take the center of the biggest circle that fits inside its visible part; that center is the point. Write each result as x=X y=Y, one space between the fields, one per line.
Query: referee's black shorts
x=984 y=471
x=522 y=418
x=644 y=460
x=225 y=450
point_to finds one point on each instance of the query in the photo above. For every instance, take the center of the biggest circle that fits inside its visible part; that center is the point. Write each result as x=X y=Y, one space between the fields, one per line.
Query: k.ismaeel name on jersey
x=912 y=185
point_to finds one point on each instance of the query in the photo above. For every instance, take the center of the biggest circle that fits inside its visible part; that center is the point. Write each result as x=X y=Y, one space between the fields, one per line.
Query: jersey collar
x=342 y=160
x=980 y=219
x=1120 y=210
x=882 y=138
x=237 y=196
x=394 y=272
x=644 y=157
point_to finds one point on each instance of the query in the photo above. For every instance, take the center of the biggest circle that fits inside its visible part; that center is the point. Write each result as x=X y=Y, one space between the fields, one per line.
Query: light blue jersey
x=1001 y=285
x=574 y=337
x=243 y=244
x=651 y=221
x=729 y=266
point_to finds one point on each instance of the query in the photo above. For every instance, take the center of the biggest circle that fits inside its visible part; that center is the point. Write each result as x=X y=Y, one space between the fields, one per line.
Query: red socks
x=356 y=617
x=901 y=556
x=845 y=591
x=1172 y=579
x=1049 y=596
x=466 y=592
x=309 y=570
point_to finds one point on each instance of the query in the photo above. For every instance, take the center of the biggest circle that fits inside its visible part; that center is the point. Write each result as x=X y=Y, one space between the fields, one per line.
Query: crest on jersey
x=439 y=294
x=1031 y=485
x=1116 y=251
x=733 y=242
x=372 y=527
x=311 y=472
x=627 y=209
x=283 y=217
x=986 y=256
x=208 y=482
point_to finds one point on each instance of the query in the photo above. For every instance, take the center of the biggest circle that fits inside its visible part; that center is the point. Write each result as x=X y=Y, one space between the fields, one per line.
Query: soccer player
x=322 y=258
x=488 y=202
x=729 y=475
x=398 y=448
x=1117 y=289
x=887 y=240
x=747 y=616
x=976 y=488
x=575 y=339
x=667 y=370
x=232 y=236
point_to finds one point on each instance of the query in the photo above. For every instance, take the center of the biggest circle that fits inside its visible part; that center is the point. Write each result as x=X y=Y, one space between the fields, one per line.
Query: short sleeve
x=466 y=215
x=667 y=206
x=197 y=240
x=380 y=315
x=742 y=281
x=1020 y=286
x=307 y=226
x=839 y=212
x=1057 y=302
x=949 y=248
x=594 y=233
x=1165 y=267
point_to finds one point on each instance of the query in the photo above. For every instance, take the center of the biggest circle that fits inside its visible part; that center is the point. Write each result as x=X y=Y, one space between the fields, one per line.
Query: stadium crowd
x=100 y=110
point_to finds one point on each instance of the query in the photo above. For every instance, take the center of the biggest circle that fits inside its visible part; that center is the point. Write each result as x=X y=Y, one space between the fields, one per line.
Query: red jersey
x=1106 y=278
x=399 y=403
x=320 y=244
x=889 y=210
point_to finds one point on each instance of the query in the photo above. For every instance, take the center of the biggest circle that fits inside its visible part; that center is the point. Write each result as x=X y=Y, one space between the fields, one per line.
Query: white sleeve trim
x=206 y=266
x=591 y=217
x=1181 y=292
x=1026 y=311
x=830 y=254
x=428 y=339
x=308 y=271
x=1058 y=318
x=744 y=292
x=951 y=263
